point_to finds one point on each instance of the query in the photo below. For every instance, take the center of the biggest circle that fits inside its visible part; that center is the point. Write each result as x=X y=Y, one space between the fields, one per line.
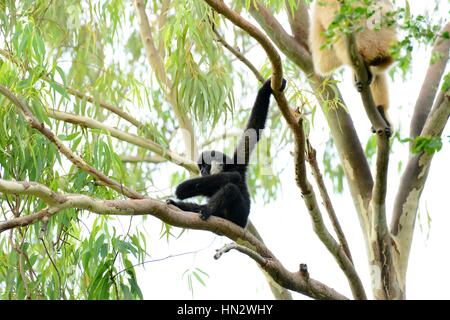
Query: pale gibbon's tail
x=255 y=124
x=379 y=89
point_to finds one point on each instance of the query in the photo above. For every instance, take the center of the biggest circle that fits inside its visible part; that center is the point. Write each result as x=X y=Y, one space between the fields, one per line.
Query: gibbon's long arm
x=256 y=123
x=207 y=185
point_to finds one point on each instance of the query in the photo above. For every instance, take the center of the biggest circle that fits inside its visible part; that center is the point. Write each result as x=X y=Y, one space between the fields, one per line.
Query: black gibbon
x=223 y=179
x=373 y=45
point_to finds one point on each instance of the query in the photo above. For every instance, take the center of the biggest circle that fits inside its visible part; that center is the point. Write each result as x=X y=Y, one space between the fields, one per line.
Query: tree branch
x=308 y=194
x=438 y=62
x=238 y=54
x=125 y=136
x=114 y=109
x=76 y=160
x=385 y=287
x=385 y=283
x=175 y=217
x=320 y=229
x=299 y=22
x=362 y=75
x=344 y=134
x=278 y=291
x=288 y=44
x=411 y=187
x=136 y=159
x=312 y=160
x=162 y=21
x=157 y=64
x=236 y=19
x=249 y=252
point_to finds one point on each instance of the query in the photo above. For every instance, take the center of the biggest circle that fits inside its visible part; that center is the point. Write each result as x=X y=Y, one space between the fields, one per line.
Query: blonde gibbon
x=373 y=45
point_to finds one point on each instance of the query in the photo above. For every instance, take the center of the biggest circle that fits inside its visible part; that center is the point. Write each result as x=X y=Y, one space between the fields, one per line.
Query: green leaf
x=428 y=145
x=62 y=91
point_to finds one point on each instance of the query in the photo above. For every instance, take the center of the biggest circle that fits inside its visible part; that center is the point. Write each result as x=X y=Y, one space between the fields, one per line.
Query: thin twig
x=42 y=238
x=238 y=54
x=312 y=160
x=234 y=246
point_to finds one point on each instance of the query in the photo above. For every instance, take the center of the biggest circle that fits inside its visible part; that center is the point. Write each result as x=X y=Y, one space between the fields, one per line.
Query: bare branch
x=362 y=75
x=288 y=44
x=76 y=160
x=411 y=186
x=386 y=285
x=312 y=160
x=320 y=229
x=157 y=64
x=277 y=71
x=299 y=22
x=438 y=62
x=136 y=159
x=26 y=220
x=249 y=252
x=278 y=291
x=238 y=55
x=175 y=217
x=162 y=21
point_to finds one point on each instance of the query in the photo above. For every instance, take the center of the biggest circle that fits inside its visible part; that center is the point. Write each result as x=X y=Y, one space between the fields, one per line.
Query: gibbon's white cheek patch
x=216 y=167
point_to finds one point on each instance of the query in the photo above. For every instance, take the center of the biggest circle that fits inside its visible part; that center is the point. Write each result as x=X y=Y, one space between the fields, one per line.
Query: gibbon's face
x=212 y=162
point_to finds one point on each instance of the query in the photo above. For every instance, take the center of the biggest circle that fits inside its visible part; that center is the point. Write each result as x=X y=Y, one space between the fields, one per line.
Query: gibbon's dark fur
x=373 y=46
x=223 y=178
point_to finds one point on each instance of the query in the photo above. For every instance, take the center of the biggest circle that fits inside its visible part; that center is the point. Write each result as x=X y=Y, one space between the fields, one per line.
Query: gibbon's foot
x=359 y=85
x=205 y=213
x=172 y=202
x=387 y=131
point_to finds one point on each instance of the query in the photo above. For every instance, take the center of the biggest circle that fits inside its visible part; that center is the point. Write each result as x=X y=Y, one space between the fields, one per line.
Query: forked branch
x=385 y=285
x=171 y=215
x=307 y=192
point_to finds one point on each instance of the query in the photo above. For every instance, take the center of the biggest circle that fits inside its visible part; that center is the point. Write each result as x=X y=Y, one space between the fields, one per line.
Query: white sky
x=286 y=228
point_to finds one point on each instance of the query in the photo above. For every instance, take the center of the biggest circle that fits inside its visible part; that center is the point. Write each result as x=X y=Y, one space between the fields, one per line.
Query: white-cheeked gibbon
x=223 y=179
x=373 y=43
